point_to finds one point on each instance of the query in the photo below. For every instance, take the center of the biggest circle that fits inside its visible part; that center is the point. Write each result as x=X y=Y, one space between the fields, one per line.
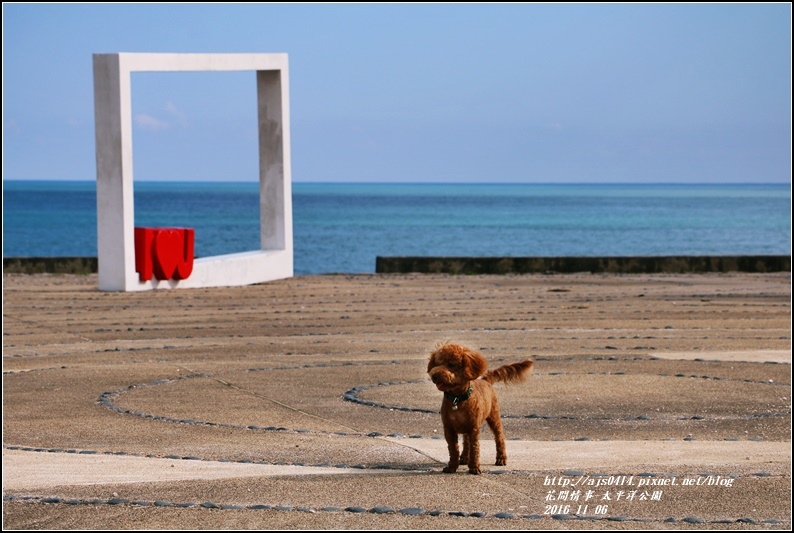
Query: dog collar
x=457 y=399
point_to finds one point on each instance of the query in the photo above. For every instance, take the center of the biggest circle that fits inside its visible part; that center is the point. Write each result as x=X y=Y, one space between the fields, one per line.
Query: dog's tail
x=512 y=373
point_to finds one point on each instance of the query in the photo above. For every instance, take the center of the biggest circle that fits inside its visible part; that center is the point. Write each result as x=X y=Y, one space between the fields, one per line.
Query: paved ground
x=657 y=402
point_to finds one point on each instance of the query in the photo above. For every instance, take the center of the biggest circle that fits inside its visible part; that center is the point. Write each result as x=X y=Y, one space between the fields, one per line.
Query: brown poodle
x=470 y=400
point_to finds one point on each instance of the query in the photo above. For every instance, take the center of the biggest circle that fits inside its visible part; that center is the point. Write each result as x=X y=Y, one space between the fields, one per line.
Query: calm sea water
x=343 y=227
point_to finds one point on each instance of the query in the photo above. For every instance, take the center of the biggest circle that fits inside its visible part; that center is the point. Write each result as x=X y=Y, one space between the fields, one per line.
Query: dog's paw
x=501 y=461
x=475 y=471
x=449 y=470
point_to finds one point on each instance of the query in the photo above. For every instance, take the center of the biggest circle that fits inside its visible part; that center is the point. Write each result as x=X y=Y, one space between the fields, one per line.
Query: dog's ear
x=432 y=362
x=436 y=354
x=474 y=364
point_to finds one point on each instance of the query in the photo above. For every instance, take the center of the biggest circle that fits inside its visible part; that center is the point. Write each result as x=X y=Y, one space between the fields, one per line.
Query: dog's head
x=452 y=366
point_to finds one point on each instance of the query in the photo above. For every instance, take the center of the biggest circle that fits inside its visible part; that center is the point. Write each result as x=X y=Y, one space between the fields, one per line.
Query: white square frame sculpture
x=115 y=202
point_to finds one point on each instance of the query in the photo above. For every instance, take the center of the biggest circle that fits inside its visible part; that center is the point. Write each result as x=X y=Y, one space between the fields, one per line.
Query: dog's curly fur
x=456 y=370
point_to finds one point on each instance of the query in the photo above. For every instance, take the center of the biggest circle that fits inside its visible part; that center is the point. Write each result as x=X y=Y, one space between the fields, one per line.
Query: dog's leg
x=474 y=450
x=464 y=455
x=495 y=423
x=454 y=454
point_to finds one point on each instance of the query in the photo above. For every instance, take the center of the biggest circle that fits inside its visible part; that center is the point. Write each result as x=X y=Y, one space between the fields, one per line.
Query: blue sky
x=551 y=93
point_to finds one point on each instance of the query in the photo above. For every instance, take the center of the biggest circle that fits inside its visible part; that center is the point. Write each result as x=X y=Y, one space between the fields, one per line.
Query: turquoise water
x=343 y=227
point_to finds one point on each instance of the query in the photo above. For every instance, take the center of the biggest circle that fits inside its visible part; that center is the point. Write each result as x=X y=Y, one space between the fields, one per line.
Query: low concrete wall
x=567 y=265
x=485 y=265
x=53 y=265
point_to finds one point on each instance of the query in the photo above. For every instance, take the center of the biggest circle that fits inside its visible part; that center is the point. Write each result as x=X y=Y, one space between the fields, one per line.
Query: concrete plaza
x=303 y=403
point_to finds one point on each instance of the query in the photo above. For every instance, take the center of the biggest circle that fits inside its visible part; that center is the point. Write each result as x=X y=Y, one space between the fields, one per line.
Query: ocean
x=341 y=228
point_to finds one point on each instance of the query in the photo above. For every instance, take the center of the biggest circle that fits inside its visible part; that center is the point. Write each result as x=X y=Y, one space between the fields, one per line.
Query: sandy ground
x=657 y=402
